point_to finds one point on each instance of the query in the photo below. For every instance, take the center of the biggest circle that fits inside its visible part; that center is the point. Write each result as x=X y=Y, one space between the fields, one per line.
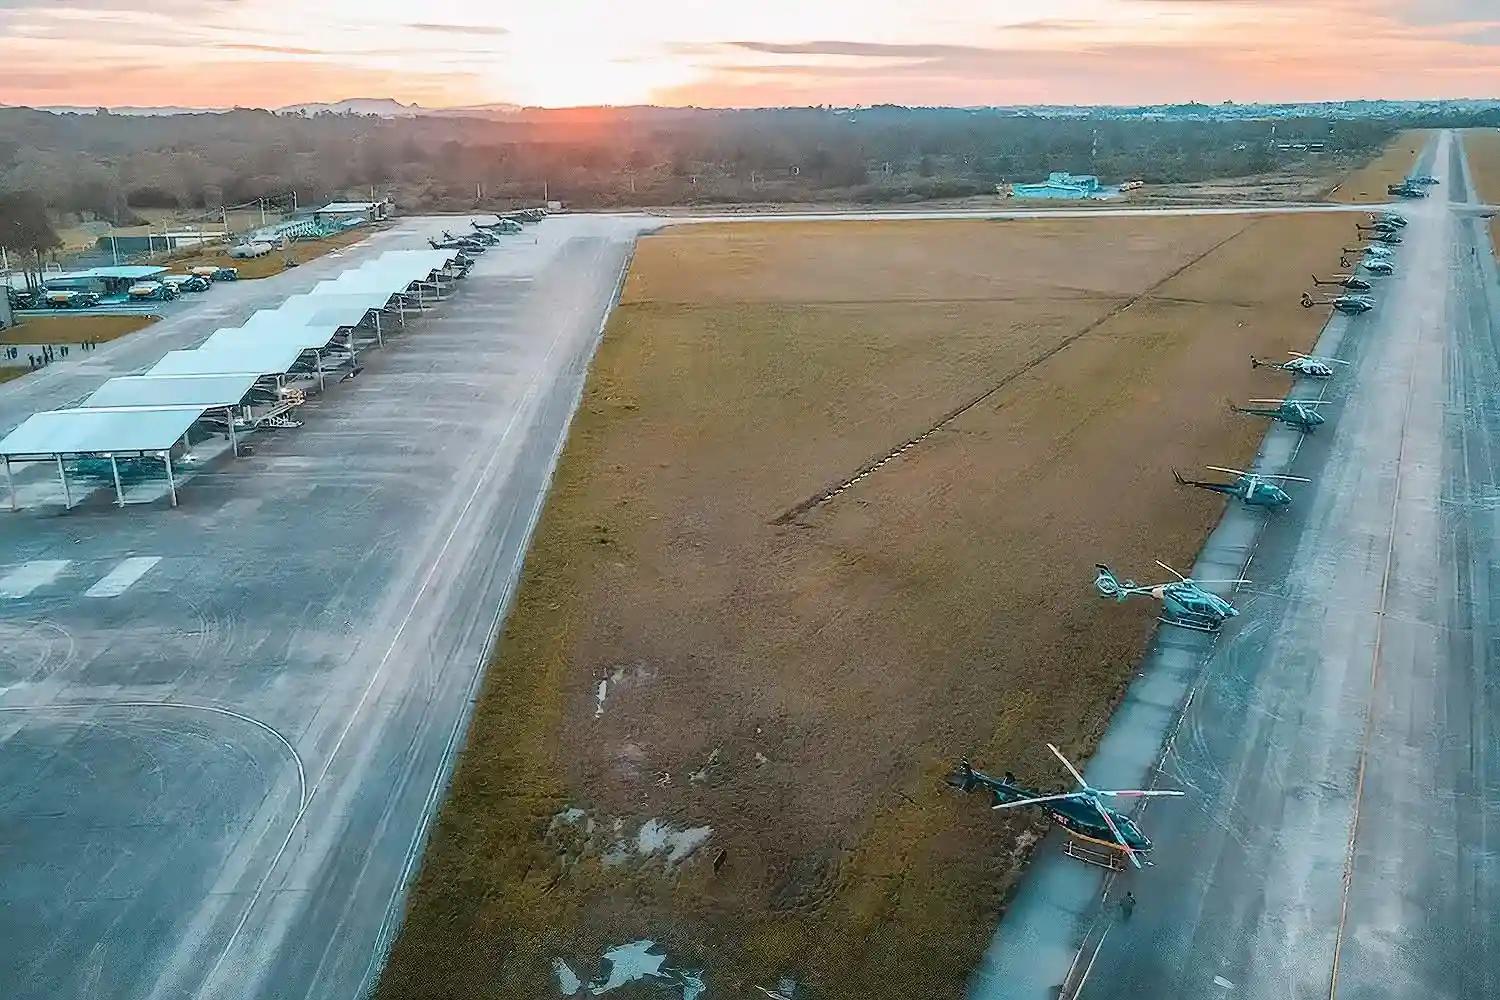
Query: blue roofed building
x=1063 y=186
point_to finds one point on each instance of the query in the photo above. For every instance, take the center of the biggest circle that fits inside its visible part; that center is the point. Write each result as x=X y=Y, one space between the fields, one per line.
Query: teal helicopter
x=1381 y=267
x=1372 y=250
x=1301 y=365
x=1081 y=813
x=1301 y=414
x=1252 y=488
x=1185 y=603
x=1391 y=219
x=1349 y=304
x=1349 y=281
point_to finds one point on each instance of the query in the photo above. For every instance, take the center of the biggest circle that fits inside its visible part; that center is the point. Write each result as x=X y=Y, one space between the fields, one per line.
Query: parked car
x=187 y=282
x=151 y=291
x=61 y=299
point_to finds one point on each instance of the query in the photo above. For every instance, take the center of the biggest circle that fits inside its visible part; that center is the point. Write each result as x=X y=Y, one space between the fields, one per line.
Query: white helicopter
x=1301 y=365
x=1372 y=249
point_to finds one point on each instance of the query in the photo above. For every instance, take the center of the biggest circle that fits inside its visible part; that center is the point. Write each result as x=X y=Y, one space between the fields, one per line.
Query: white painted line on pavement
x=30 y=575
x=120 y=579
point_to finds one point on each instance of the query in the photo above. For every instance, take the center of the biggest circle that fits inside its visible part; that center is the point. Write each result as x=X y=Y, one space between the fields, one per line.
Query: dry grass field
x=6 y=374
x=785 y=684
x=66 y=329
x=1482 y=147
x=1368 y=184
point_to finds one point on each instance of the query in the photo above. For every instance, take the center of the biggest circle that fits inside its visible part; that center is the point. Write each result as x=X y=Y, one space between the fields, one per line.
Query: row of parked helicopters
x=1091 y=816
x=487 y=234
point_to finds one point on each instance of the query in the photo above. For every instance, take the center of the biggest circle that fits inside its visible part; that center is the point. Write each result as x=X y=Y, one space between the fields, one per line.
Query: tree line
x=105 y=166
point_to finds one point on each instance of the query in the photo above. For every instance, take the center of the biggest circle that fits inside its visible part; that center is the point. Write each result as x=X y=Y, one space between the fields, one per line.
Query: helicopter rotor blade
x=1288 y=479
x=1170 y=570
x=1216 y=583
x=1032 y=802
x=1119 y=837
x=1232 y=472
x=1138 y=793
x=1069 y=765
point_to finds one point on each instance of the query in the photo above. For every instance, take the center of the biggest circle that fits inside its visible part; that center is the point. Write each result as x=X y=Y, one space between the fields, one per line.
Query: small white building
x=349 y=213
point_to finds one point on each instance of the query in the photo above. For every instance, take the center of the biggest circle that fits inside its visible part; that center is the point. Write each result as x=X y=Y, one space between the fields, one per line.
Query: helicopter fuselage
x=1078 y=817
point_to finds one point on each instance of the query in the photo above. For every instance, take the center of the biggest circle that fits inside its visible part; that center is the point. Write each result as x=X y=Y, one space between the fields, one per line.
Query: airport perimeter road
x=1342 y=824
x=224 y=727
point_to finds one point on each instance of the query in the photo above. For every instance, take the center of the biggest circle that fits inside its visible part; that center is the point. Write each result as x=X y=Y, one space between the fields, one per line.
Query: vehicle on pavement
x=1185 y=602
x=1301 y=414
x=1082 y=813
x=63 y=299
x=1251 y=488
x=151 y=291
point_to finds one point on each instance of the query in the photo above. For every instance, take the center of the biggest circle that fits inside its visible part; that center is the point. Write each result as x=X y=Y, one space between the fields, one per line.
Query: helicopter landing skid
x=1189 y=624
x=1109 y=860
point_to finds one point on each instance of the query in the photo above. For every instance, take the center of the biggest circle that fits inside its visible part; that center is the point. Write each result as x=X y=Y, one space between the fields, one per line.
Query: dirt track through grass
x=799 y=689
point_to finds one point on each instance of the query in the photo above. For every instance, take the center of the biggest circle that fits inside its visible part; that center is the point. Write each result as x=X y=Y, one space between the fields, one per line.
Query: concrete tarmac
x=1340 y=832
x=224 y=727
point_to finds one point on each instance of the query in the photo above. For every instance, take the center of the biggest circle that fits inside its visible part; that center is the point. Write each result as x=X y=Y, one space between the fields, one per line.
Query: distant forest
x=104 y=166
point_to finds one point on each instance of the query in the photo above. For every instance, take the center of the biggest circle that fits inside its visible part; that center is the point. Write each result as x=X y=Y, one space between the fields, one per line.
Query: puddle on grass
x=627 y=963
x=567 y=983
x=576 y=835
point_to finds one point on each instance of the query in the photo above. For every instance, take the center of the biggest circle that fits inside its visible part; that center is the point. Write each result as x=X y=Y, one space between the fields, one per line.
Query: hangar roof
x=172 y=390
x=72 y=432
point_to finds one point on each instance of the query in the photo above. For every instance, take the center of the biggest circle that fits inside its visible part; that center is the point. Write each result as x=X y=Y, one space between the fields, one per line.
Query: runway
x=224 y=727
x=1343 y=814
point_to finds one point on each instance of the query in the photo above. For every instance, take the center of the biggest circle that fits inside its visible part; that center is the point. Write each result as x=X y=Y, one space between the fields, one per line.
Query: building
x=136 y=244
x=343 y=214
x=1063 y=186
x=102 y=281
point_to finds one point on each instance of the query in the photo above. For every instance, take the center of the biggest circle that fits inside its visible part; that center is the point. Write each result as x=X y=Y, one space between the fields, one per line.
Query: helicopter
x=1373 y=250
x=1353 y=305
x=1185 y=604
x=1253 y=489
x=505 y=224
x=1407 y=189
x=1299 y=413
x=1422 y=179
x=449 y=243
x=1386 y=236
x=1081 y=813
x=1348 y=281
x=1301 y=365
x=481 y=235
x=1381 y=224
x=1379 y=266
x=1390 y=218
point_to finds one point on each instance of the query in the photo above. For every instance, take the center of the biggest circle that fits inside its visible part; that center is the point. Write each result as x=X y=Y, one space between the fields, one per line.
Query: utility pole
x=224 y=216
x=114 y=246
x=262 y=211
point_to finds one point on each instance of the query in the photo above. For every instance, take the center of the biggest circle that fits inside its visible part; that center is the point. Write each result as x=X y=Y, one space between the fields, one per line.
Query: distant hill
x=383 y=107
x=63 y=109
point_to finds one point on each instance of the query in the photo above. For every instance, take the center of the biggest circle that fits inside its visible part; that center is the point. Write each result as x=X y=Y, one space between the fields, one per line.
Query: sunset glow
x=210 y=53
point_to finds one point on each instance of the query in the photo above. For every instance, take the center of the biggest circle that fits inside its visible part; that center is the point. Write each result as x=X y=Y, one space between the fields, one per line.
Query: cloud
x=876 y=50
x=462 y=29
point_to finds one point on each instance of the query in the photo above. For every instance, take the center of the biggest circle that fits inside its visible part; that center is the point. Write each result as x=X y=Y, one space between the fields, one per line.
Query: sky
x=439 y=53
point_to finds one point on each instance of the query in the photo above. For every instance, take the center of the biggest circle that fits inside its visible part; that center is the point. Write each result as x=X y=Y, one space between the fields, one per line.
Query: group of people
x=48 y=353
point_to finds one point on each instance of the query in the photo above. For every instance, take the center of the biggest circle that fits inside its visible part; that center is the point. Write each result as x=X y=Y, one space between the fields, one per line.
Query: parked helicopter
x=1185 y=603
x=1373 y=250
x=449 y=243
x=1407 y=189
x=1252 y=488
x=489 y=239
x=1301 y=365
x=1299 y=413
x=1391 y=218
x=1386 y=236
x=1352 y=305
x=503 y=225
x=1081 y=813
x=1348 y=281
x=1378 y=266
